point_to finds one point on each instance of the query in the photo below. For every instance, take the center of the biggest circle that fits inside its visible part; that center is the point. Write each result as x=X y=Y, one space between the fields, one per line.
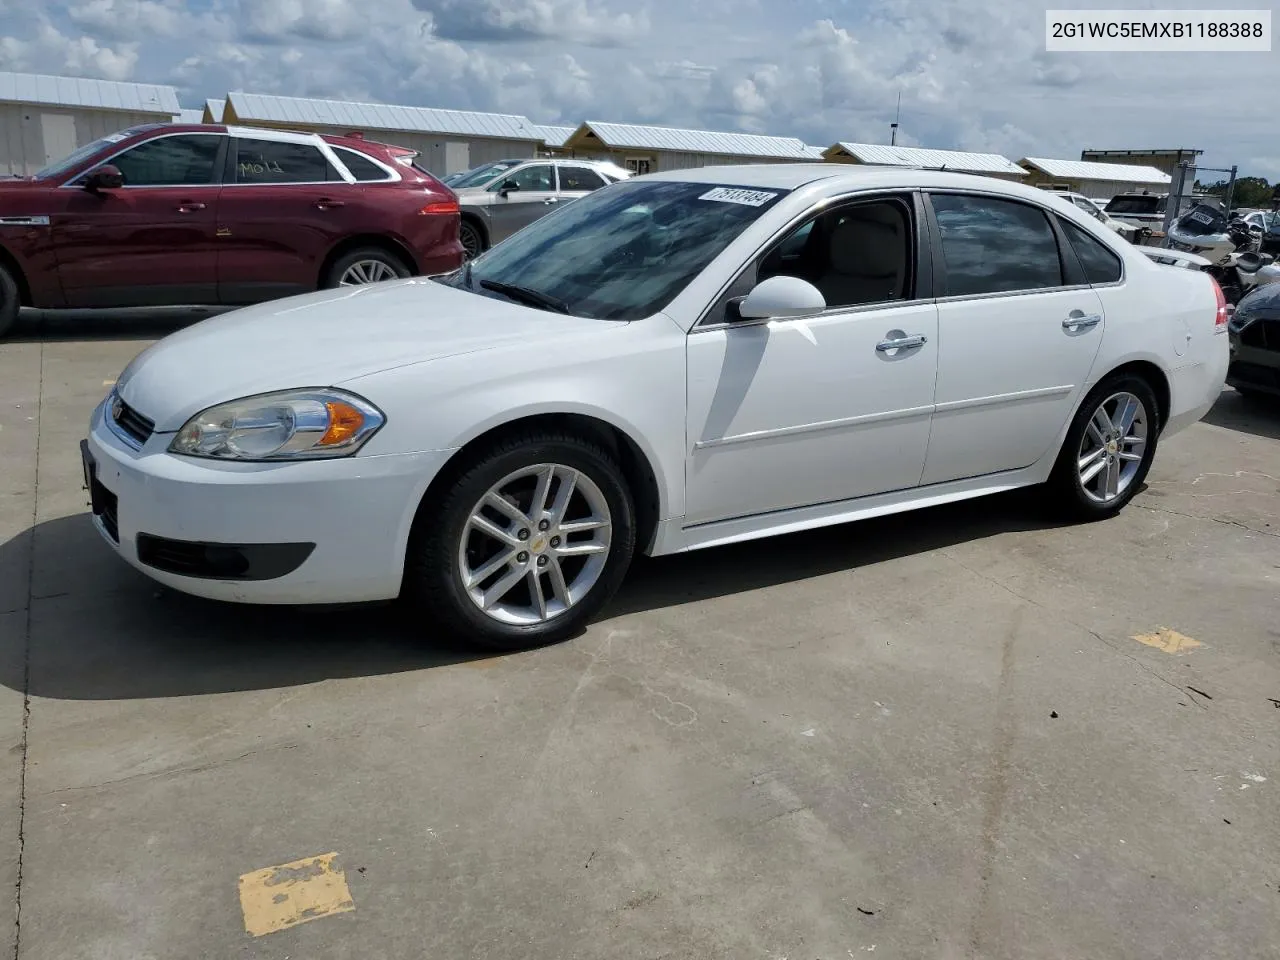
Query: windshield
x=1133 y=204
x=82 y=154
x=626 y=250
x=1202 y=220
x=484 y=173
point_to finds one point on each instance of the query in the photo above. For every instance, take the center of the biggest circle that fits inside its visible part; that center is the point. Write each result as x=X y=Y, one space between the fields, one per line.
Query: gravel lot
x=932 y=735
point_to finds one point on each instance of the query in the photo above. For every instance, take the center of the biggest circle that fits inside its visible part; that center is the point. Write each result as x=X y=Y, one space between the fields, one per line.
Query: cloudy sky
x=973 y=74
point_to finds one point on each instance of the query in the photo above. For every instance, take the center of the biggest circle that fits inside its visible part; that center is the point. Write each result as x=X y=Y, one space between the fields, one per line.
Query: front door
x=283 y=208
x=793 y=413
x=532 y=194
x=1018 y=334
x=151 y=241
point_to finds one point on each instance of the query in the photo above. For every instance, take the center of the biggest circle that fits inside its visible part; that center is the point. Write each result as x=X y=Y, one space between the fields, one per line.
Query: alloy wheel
x=535 y=544
x=470 y=239
x=1112 y=447
x=367 y=271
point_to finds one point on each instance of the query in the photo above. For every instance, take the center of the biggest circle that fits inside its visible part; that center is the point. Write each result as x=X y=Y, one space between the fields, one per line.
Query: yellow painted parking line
x=108 y=383
x=276 y=898
x=1168 y=641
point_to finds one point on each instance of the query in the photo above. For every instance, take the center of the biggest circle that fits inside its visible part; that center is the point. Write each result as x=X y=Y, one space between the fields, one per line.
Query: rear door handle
x=901 y=343
x=188 y=207
x=1081 y=321
x=324 y=203
x=550 y=200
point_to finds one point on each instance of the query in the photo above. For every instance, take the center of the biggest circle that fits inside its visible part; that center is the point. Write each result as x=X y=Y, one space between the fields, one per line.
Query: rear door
x=533 y=196
x=283 y=209
x=577 y=181
x=150 y=242
x=1018 y=330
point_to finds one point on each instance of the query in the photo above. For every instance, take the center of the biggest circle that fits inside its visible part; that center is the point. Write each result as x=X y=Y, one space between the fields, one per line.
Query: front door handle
x=188 y=207
x=1081 y=321
x=902 y=343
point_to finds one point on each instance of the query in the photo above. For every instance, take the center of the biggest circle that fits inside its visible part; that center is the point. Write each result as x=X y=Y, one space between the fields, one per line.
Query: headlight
x=290 y=425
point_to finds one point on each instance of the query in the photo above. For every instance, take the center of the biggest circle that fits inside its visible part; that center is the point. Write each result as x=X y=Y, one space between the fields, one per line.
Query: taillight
x=441 y=206
x=1223 y=315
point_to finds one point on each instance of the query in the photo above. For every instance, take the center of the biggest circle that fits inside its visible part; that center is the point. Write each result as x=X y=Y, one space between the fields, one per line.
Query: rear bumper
x=1195 y=387
x=324 y=531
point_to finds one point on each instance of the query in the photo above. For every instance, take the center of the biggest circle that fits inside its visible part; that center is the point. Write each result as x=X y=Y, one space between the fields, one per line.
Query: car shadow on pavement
x=1260 y=416
x=99 y=630
x=146 y=323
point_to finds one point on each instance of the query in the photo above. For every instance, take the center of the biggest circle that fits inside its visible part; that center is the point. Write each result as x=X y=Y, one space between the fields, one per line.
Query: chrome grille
x=128 y=423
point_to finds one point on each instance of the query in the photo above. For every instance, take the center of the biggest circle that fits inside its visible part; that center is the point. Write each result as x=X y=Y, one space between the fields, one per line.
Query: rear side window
x=1132 y=204
x=579 y=178
x=170 y=161
x=361 y=167
x=1100 y=264
x=271 y=161
x=991 y=245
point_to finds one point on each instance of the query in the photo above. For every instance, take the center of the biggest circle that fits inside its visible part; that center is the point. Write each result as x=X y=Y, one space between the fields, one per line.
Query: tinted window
x=182 y=160
x=1132 y=204
x=536 y=177
x=1100 y=264
x=855 y=254
x=995 y=246
x=625 y=252
x=270 y=161
x=483 y=174
x=579 y=178
x=81 y=154
x=361 y=167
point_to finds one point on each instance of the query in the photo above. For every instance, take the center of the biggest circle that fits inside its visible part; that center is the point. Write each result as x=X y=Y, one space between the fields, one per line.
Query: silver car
x=500 y=198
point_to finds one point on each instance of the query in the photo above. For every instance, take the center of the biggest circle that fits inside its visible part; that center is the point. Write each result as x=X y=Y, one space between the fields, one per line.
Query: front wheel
x=10 y=301
x=526 y=545
x=1108 y=449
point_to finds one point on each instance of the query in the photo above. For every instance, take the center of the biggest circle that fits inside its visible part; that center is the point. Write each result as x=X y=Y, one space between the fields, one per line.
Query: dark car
x=175 y=214
x=1254 y=331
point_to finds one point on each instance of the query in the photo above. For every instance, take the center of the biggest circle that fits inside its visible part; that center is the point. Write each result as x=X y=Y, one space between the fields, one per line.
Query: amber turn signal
x=345 y=422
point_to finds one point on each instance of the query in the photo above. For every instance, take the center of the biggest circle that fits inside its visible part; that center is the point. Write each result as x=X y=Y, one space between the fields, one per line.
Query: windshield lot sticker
x=749 y=198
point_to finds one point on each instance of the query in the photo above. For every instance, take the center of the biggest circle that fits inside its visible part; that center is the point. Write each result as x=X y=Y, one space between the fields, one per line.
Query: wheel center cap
x=1112 y=446
x=538 y=545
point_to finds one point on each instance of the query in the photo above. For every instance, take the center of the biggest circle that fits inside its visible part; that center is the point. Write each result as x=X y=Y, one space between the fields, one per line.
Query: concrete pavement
x=924 y=736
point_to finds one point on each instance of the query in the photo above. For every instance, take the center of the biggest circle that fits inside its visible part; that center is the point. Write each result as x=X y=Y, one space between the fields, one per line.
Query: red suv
x=175 y=214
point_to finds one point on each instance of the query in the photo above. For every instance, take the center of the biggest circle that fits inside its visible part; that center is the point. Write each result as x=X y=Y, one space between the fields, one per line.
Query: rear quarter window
x=1100 y=263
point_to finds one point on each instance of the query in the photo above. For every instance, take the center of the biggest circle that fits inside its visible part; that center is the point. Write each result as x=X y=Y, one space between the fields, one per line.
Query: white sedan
x=677 y=361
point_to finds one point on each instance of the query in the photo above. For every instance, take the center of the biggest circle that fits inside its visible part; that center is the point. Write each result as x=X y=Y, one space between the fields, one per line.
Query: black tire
x=1066 y=494
x=472 y=238
x=10 y=300
x=432 y=581
x=333 y=276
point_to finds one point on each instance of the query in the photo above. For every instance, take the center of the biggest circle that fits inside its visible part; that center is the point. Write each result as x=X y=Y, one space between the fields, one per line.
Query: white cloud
x=128 y=19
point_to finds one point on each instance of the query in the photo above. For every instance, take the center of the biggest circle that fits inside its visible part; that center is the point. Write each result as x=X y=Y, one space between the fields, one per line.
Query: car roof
x=790 y=176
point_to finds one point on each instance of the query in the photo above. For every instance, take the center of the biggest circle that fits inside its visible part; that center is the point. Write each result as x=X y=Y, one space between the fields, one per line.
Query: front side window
x=622 y=253
x=536 y=177
x=856 y=254
x=990 y=245
x=272 y=161
x=1101 y=265
x=185 y=160
x=579 y=178
x=81 y=154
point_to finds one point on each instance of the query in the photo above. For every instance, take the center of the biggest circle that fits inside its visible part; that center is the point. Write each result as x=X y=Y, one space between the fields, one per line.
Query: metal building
x=44 y=118
x=213 y=111
x=189 y=115
x=885 y=155
x=447 y=140
x=1163 y=159
x=645 y=149
x=1098 y=181
x=554 y=139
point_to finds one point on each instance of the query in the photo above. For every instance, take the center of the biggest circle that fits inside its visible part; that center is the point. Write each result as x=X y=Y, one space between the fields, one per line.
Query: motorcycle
x=1230 y=247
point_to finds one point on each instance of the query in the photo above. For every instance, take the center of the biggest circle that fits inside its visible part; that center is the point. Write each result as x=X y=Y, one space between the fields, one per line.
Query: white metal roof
x=634 y=136
x=813 y=153
x=95 y=94
x=552 y=135
x=188 y=115
x=1091 y=170
x=895 y=156
x=215 y=108
x=250 y=107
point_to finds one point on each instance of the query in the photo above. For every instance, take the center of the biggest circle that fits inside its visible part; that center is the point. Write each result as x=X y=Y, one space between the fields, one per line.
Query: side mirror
x=780 y=298
x=106 y=177
x=507 y=187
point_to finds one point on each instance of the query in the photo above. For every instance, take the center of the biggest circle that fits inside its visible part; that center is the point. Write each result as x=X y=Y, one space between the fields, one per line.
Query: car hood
x=322 y=339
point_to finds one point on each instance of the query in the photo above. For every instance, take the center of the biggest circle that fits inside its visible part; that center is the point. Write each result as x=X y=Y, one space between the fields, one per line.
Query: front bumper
x=319 y=531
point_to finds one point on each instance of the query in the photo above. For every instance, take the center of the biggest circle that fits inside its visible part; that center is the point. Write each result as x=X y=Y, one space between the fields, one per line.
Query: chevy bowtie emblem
x=117 y=409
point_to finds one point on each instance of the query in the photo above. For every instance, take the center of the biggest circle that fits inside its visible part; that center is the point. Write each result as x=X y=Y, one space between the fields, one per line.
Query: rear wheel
x=526 y=545
x=1108 y=449
x=365 y=265
x=10 y=300
x=472 y=240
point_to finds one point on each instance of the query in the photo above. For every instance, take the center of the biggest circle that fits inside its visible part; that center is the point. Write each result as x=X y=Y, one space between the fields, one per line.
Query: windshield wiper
x=533 y=298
